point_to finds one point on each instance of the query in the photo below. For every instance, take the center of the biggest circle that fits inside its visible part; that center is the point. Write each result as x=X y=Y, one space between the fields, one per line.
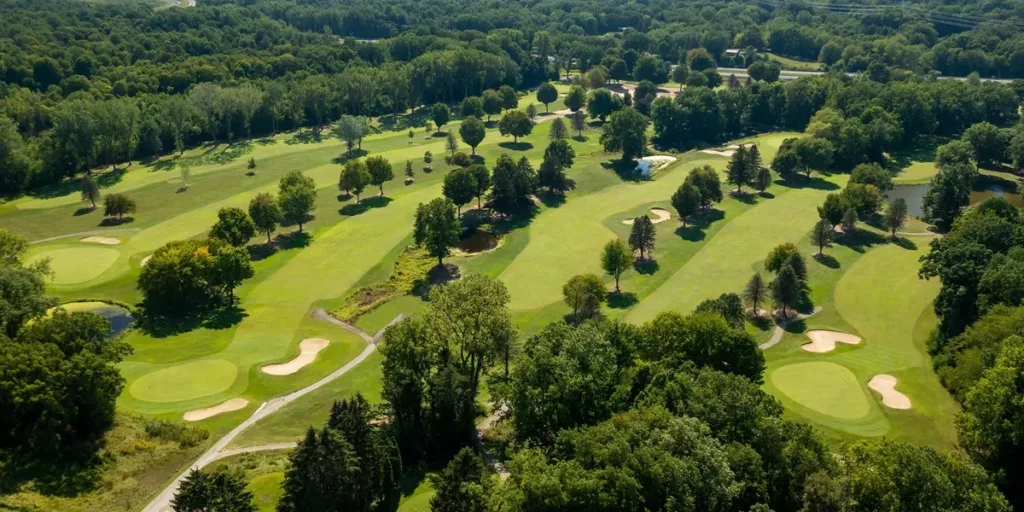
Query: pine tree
x=762 y=179
x=822 y=235
x=462 y=486
x=786 y=289
x=323 y=475
x=754 y=292
x=850 y=220
x=409 y=173
x=738 y=171
x=558 y=130
x=641 y=237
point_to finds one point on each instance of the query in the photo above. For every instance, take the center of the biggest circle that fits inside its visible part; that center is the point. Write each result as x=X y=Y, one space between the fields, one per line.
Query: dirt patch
x=885 y=385
x=825 y=341
x=660 y=215
x=235 y=404
x=308 y=349
x=145 y=260
x=105 y=240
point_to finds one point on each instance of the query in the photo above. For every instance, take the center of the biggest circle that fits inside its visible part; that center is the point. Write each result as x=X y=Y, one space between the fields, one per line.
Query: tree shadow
x=439 y=275
x=580 y=138
x=762 y=322
x=622 y=300
x=766 y=195
x=266 y=141
x=646 y=266
x=625 y=169
x=76 y=469
x=795 y=326
x=516 y=146
x=860 y=240
x=85 y=210
x=161 y=325
x=349 y=155
x=163 y=164
x=905 y=243
x=114 y=221
x=800 y=181
x=344 y=196
x=353 y=209
x=827 y=260
x=261 y=251
x=551 y=200
x=700 y=221
x=744 y=197
x=305 y=136
x=293 y=240
x=923 y=150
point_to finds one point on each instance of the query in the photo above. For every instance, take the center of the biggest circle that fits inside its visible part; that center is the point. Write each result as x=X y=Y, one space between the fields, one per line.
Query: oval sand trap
x=886 y=386
x=185 y=381
x=235 y=404
x=73 y=265
x=823 y=387
x=825 y=341
x=660 y=215
x=308 y=350
x=105 y=240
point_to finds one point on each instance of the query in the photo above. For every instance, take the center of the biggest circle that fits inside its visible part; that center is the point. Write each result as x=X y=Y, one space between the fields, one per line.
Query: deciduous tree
x=354 y=178
x=472 y=131
x=516 y=124
x=297 y=197
x=547 y=94
x=616 y=259
x=459 y=187
x=380 y=171
x=584 y=293
x=265 y=213
x=436 y=227
x=233 y=226
x=686 y=200
x=625 y=131
x=754 y=293
x=642 y=236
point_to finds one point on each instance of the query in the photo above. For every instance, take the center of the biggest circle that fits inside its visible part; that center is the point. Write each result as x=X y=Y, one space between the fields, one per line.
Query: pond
x=986 y=187
x=479 y=240
x=119 y=317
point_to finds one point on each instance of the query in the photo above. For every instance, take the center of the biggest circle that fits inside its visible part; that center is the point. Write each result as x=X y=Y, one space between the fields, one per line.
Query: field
x=866 y=285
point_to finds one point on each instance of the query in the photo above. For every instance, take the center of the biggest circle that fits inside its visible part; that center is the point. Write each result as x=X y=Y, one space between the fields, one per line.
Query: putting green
x=73 y=265
x=827 y=388
x=185 y=381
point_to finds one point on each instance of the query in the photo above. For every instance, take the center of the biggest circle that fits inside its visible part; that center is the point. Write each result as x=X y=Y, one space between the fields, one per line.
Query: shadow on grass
x=766 y=195
x=622 y=300
x=261 y=251
x=827 y=260
x=801 y=181
x=694 y=230
x=516 y=146
x=439 y=275
x=349 y=155
x=795 y=326
x=77 y=469
x=293 y=240
x=305 y=136
x=923 y=150
x=905 y=243
x=161 y=325
x=114 y=221
x=860 y=240
x=624 y=169
x=762 y=322
x=85 y=211
x=646 y=266
x=551 y=199
x=744 y=197
x=353 y=209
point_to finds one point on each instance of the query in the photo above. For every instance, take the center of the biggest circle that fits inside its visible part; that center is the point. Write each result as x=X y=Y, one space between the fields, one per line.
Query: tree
x=451 y=143
x=185 y=173
x=650 y=68
x=472 y=132
x=512 y=185
x=601 y=104
x=265 y=213
x=560 y=152
x=833 y=209
x=872 y=174
x=558 y=130
x=739 y=171
x=251 y=166
x=762 y=179
x=584 y=293
x=509 y=97
x=193 y=275
x=987 y=142
x=472 y=106
x=575 y=98
x=462 y=486
x=642 y=235
x=481 y=181
x=705 y=178
x=679 y=74
x=492 y=103
x=118 y=205
x=459 y=187
x=949 y=193
x=547 y=94
x=579 y=123
x=686 y=199
x=354 y=178
x=754 y=292
x=323 y=474
x=516 y=124
x=297 y=197
x=440 y=114
x=822 y=235
x=436 y=228
x=218 y=490
x=616 y=259
x=90 y=190
x=786 y=289
x=351 y=129
x=957 y=152
x=409 y=173
x=380 y=171
x=531 y=112
x=233 y=226
x=896 y=215
x=625 y=131
x=428 y=157
x=805 y=155
x=850 y=220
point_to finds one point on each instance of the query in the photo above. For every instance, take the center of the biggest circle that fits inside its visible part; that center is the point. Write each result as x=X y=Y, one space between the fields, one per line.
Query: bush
x=186 y=436
x=459 y=159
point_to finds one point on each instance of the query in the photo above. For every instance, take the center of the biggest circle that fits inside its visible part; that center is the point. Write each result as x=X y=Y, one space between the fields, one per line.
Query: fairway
x=827 y=388
x=77 y=264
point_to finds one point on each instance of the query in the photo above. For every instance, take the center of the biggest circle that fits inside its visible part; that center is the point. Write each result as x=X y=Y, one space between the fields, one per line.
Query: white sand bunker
x=105 y=240
x=145 y=260
x=825 y=341
x=650 y=164
x=235 y=404
x=661 y=215
x=886 y=386
x=308 y=349
x=728 y=151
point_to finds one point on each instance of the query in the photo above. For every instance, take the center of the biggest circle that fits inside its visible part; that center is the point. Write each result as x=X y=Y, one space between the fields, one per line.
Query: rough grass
x=410 y=272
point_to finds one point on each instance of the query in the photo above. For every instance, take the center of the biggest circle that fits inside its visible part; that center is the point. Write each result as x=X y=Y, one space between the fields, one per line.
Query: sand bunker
x=308 y=350
x=825 y=341
x=235 y=404
x=105 y=240
x=660 y=214
x=886 y=386
x=145 y=260
x=728 y=151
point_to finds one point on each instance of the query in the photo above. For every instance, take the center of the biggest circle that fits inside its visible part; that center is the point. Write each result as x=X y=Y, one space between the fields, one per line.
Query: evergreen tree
x=822 y=235
x=218 y=490
x=762 y=179
x=409 y=173
x=754 y=293
x=462 y=486
x=786 y=289
x=739 y=172
x=641 y=237
x=850 y=220
x=558 y=130
x=324 y=475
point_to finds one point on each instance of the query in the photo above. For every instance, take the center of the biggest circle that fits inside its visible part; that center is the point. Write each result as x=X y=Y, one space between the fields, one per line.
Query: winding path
x=162 y=502
x=780 y=329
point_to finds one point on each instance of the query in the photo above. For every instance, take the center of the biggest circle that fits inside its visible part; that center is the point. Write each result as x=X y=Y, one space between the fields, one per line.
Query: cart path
x=780 y=329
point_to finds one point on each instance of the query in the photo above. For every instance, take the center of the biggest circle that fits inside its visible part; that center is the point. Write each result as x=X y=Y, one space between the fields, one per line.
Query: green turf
x=916 y=173
x=419 y=499
x=266 y=490
x=185 y=381
x=78 y=263
x=795 y=64
x=824 y=387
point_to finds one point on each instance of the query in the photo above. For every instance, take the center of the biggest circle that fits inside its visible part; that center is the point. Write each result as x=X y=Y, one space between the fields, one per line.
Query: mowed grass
x=76 y=263
x=824 y=387
x=795 y=64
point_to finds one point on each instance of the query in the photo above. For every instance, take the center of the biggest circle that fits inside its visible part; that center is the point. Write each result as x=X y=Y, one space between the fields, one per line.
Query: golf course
x=217 y=373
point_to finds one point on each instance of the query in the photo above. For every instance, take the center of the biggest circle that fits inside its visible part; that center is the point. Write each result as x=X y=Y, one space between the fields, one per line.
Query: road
x=162 y=503
x=793 y=75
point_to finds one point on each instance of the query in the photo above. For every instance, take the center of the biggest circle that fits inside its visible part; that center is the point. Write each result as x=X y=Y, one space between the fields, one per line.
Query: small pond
x=119 y=317
x=986 y=187
x=478 y=240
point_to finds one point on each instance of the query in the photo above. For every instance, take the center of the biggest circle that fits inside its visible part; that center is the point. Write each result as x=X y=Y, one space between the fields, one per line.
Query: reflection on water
x=477 y=241
x=119 y=318
x=986 y=187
